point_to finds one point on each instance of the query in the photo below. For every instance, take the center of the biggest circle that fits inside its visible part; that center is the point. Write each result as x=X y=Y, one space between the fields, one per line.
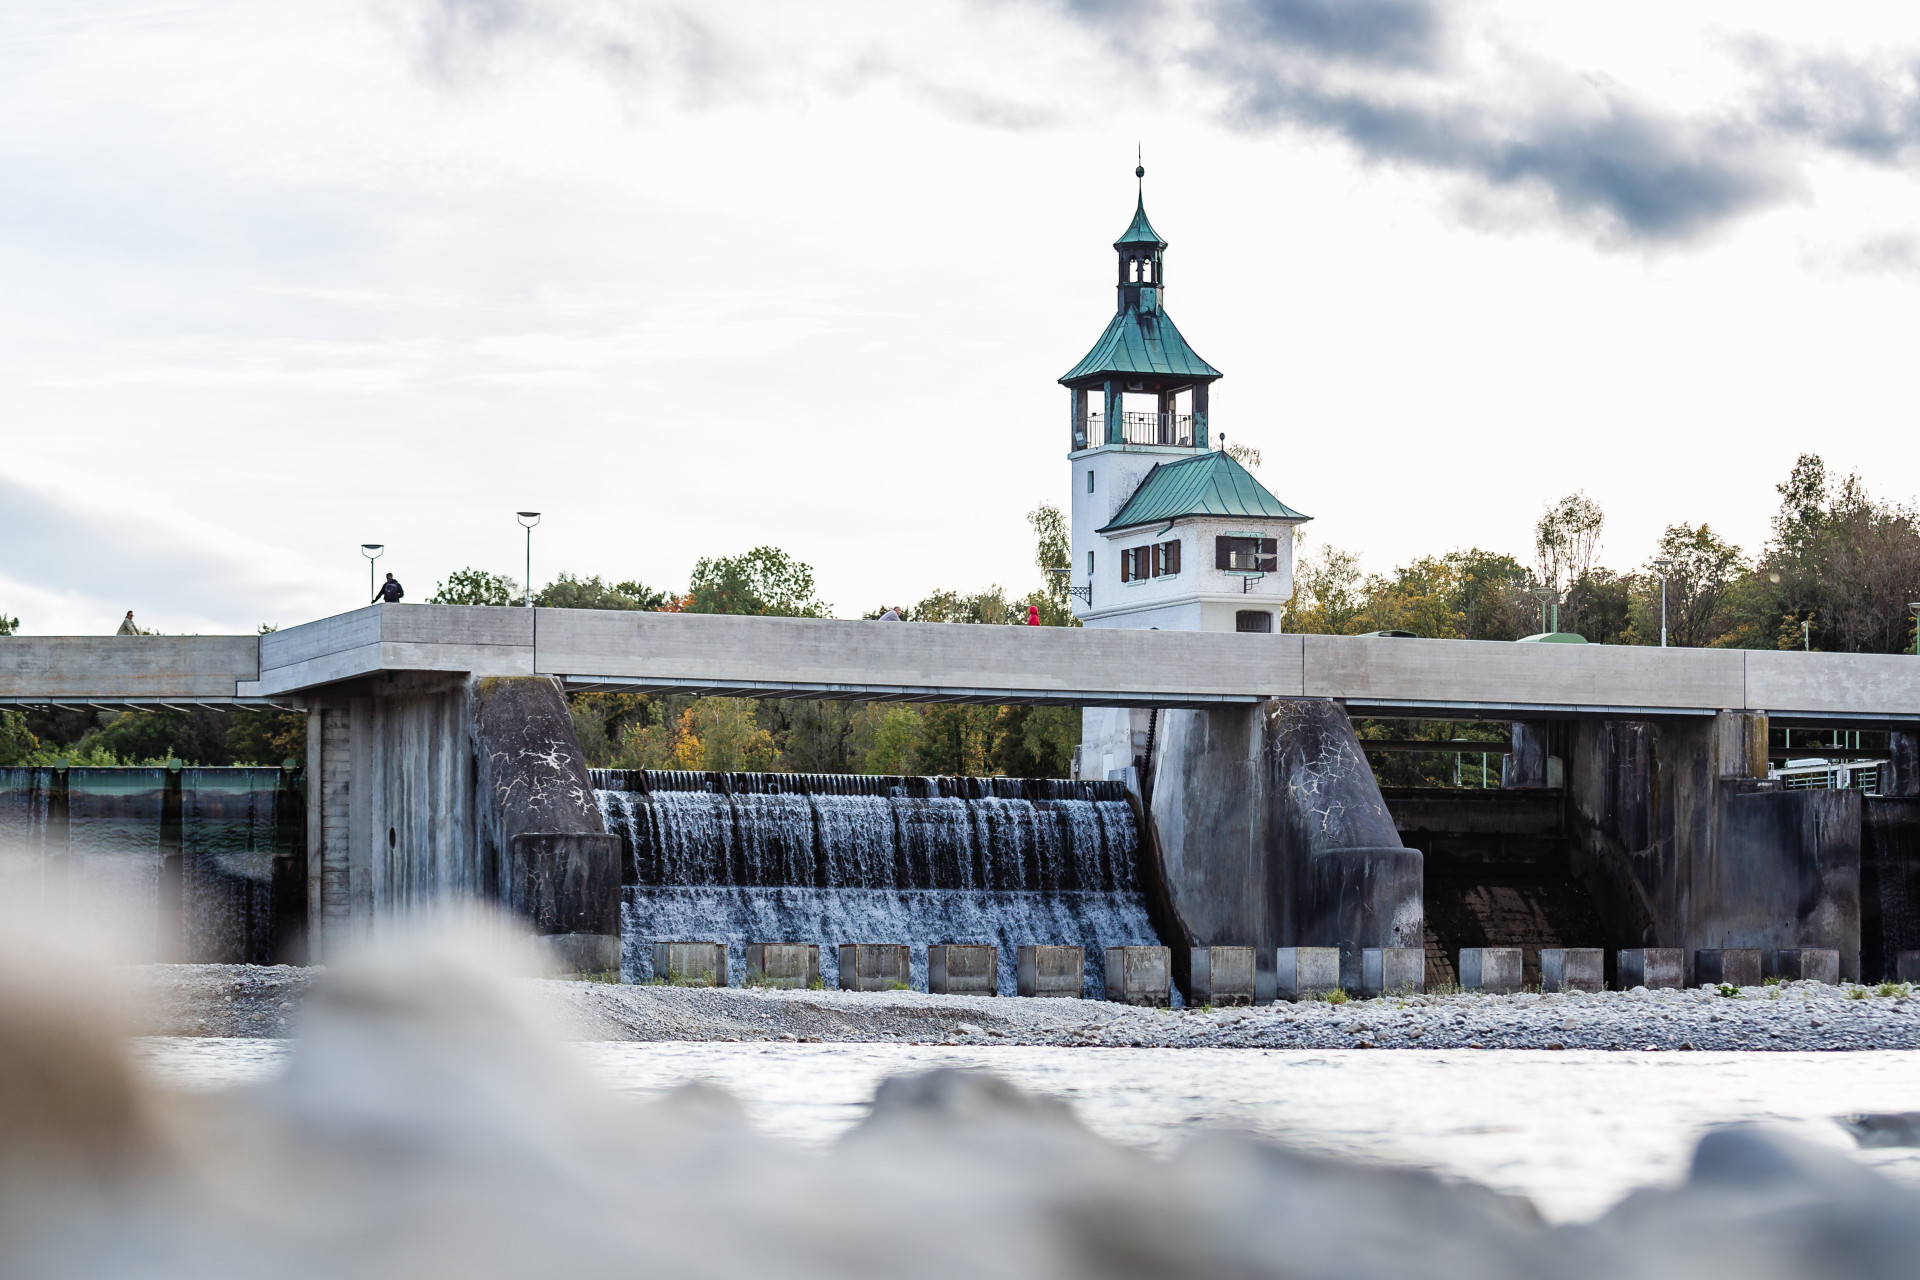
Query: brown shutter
x=1223 y=552
x=1173 y=557
x=1126 y=566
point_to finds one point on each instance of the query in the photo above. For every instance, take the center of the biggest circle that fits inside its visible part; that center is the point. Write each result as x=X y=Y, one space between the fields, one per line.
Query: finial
x=1139 y=169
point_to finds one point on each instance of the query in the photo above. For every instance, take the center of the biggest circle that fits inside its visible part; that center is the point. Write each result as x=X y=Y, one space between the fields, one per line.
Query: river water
x=1573 y=1131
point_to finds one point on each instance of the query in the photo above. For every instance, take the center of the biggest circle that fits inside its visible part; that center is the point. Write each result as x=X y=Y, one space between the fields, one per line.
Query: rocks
x=223 y=1000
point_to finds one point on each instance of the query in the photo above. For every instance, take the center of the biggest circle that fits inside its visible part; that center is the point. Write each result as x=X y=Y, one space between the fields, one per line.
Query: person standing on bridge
x=126 y=626
x=390 y=591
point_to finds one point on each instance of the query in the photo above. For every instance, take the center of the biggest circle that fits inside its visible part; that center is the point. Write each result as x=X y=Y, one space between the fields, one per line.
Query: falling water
x=831 y=859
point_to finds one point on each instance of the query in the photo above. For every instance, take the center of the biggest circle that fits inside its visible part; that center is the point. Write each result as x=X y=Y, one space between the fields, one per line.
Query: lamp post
x=1548 y=596
x=372 y=551
x=1663 y=564
x=528 y=519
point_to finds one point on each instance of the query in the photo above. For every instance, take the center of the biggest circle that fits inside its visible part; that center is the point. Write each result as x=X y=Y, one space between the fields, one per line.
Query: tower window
x=1089 y=564
x=1246 y=555
x=1255 y=620
x=1089 y=482
x=1166 y=559
x=1136 y=564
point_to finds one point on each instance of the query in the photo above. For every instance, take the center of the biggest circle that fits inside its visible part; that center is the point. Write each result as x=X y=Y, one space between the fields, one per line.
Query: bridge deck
x=813 y=658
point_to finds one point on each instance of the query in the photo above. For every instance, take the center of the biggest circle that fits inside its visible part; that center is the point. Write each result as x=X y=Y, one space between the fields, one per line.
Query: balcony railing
x=1141 y=428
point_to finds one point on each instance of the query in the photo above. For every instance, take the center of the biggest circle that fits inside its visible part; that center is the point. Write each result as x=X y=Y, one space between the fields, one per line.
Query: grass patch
x=1336 y=996
x=595 y=975
x=1771 y=980
x=1858 y=993
x=816 y=983
x=1896 y=989
x=1728 y=990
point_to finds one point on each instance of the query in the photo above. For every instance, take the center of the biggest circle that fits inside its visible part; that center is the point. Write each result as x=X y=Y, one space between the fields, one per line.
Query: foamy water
x=1573 y=1131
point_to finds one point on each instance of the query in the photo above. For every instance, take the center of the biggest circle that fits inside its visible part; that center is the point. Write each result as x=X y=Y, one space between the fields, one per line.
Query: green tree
x=17 y=743
x=765 y=581
x=1844 y=560
x=475 y=586
x=1566 y=539
x=1704 y=571
x=1490 y=600
x=8 y=626
x=569 y=592
x=1599 y=606
x=957 y=739
x=1329 y=594
x=896 y=743
x=268 y=737
x=1035 y=742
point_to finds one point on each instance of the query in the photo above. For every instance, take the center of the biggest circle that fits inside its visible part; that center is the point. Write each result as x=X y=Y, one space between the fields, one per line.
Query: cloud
x=1867 y=109
x=91 y=562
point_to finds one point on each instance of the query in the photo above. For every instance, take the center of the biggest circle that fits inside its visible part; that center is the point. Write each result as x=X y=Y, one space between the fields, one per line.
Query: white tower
x=1168 y=532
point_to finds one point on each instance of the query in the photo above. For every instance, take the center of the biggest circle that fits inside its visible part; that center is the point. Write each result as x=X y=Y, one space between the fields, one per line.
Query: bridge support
x=418 y=787
x=1683 y=841
x=1269 y=831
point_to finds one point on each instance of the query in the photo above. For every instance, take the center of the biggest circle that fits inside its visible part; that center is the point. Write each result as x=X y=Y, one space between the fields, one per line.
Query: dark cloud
x=1867 y=109
x=1397 y=33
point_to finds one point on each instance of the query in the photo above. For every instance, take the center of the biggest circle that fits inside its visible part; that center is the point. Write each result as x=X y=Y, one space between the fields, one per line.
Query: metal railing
x=1836 y=775
x=1142 y=428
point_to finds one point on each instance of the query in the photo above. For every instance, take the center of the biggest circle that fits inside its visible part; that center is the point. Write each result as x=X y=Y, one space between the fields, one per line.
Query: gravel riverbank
x=254 y=1001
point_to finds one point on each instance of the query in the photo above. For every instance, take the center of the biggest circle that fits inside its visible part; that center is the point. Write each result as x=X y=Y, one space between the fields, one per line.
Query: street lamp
x=372 y=551
x=1548 y=596
x=528 y=519
x=1664 y=565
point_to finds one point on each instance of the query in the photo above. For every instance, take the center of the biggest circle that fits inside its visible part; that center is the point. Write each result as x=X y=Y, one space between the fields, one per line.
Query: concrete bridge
x=441 y=761
x=586 y=650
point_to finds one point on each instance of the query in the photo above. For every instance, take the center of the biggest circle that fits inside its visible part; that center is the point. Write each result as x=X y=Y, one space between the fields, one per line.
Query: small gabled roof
x=1207 y=484
x=1140 y=231
x=1144 y=342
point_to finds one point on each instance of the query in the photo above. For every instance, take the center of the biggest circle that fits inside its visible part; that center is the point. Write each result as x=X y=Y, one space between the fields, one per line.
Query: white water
x=1573 y=1131
x=914 y=869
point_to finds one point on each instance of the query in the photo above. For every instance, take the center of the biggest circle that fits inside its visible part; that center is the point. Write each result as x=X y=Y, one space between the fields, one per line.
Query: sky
x=277 y=280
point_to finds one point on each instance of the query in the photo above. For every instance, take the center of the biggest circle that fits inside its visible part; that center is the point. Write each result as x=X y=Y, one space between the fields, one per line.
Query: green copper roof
x=1207 y=484
x=1140 y=231
x=1142 y=342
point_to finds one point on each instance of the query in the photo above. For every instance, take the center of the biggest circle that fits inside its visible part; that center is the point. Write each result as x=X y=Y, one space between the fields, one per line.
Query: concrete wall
x=1889 y=883
x=181 y=667
x=1679 y=844
x=1267 y=830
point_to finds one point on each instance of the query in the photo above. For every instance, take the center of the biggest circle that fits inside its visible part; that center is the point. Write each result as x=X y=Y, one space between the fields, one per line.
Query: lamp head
x=528 y=518
x=372 y=550
x=1663 y=564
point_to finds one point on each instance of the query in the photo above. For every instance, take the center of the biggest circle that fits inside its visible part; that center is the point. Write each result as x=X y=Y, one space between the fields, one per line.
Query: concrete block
x=690 y=964
x=1491 y=969
x=1805 y=964
x=1573 y=969
x=1301 y=972
x=1140 y=975
x=875 y=966
x=1221 y=975
x=1906 y=967
x=783 y=964
x=1051 y=971
x=1655 y=968
x=963 y=969
x=1739 y=966
x=1392 y=970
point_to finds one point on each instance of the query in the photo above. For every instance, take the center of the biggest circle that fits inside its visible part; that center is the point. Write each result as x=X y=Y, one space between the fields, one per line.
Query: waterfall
x=828 y=858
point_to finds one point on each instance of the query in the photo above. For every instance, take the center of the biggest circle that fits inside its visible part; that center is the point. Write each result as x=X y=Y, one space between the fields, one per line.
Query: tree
x=475 y=586
x=956 y=738
x=1842 y=559
x=764 y=581
x=1035 y=742
x=1566 y=539
x=1329 y=594
x=896 y=744
x=1244 y=454
x=1599 y=606
x=8 y=626
x=267 y=738
x=1704 y=570
x=568 y=592
x=1053 y=549
x=17 y=743
x=1490 y=599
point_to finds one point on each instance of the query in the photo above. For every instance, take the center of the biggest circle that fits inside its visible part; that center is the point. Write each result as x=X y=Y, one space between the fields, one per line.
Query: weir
x=829 y=859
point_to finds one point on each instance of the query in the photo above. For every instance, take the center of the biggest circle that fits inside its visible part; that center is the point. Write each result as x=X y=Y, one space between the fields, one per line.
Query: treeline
x=1836 y=575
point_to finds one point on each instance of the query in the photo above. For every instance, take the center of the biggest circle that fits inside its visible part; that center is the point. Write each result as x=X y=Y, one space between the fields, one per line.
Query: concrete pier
x=1268 y=830
x=794 y=965
x=690 y=964
x=1907 y=967
x=1392 y=970
x=1222 y=975
x=1140 y=975
x=1732 y=966
x=1300 y=973
x=1655 y=968
x=1491 y=969
x=1805 y=964
x=875 y=966
x=1046 y=971
x=1572 y=969
x=963 y=969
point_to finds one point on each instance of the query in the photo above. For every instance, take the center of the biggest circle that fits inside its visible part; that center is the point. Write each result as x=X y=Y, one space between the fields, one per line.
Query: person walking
x=126 y=626
x=390 y=592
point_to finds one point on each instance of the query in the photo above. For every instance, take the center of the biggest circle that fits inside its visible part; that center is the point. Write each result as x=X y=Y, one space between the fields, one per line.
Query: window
x=1246 y=555
x=1136 y=564
x=1166 y=559
x=1089 y=482
x=1089 y=564
x=1256 y=620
